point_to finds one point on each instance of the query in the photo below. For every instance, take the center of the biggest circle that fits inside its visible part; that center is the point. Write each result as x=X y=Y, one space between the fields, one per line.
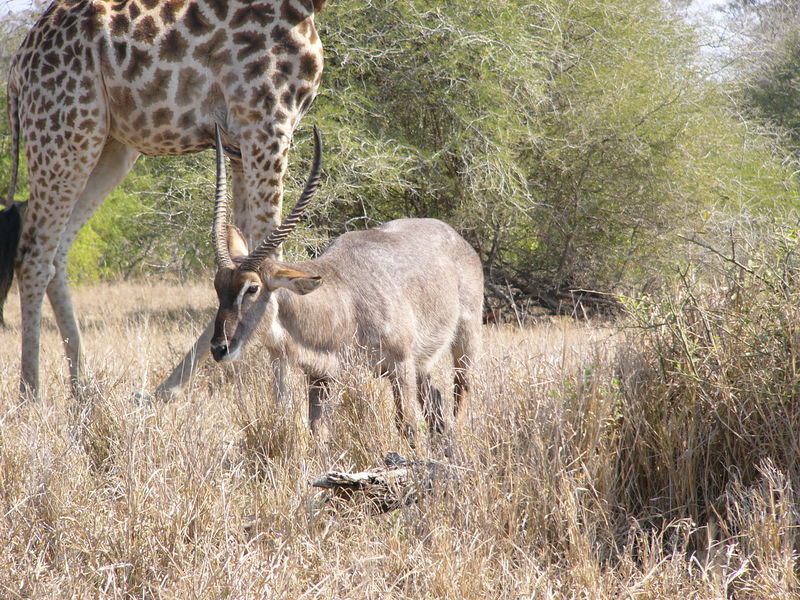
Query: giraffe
x=96 y=83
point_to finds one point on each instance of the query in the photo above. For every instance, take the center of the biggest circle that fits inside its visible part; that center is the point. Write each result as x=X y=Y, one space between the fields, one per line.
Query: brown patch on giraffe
x=310 y=66
x=197 y=23
x=156 y=89
x=304 y=97
x=249 y=42
x=134 y=10
x=262 y=14
x=255 y=69
x=49 y=85
x=70 y=117
x=150 y=4
x=170 y=10
x=282 y=74
x=119 y=24
x=230 y=78
x=145 y=30
x=161 y=117
x=173 y=46
x=88 y=95
x=122 y=99
x=220 y=8
x=187 y=120
x=293 y=16
x=214 y=99
x=47 y=68
x=287 y=99
x=139 y=61
x=284 y=42
x=213 y=52
x=190 y=83
x=120 y=52
x=91 y=24
x=263 y=95
x=87 y=125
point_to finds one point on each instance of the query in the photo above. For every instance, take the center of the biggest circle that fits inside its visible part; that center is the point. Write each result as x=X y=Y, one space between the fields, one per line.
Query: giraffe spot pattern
x=213 y=53
x=262 y=14
x=291 y=15
x=173 y=46
x=161 y=117
x=249 y=43
x=196 y=22
x=145 y=30
x=140 y=60
x=119 y=24
x=156 y=89
x=170 y=10
x=189 y=82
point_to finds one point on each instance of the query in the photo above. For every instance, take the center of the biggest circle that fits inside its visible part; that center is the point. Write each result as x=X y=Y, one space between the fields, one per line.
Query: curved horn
x=280 y=233
x=220 y=227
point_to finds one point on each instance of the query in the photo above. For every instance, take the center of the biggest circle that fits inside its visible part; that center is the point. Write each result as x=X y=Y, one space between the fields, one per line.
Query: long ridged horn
x=220 y=227
x=280 y=233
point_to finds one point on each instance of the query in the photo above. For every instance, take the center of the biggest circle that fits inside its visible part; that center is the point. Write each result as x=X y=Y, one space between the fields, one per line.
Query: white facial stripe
x=240 y=297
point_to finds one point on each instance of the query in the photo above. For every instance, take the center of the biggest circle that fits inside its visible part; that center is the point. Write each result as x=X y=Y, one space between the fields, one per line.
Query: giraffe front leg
x=183 y=372
x=258 y=201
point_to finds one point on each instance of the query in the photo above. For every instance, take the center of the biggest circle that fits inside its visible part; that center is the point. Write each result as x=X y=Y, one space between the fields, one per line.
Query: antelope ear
x=294 y=281
x=236 y=244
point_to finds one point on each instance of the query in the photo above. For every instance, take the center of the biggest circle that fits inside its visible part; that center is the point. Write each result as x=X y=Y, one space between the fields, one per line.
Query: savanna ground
x=209 y=497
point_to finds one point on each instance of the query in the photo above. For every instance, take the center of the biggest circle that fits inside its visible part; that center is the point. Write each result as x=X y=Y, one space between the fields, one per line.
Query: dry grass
x=208 y=497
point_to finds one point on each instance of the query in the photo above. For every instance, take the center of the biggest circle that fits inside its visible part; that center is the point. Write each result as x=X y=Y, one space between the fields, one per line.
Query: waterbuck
x=403 y=293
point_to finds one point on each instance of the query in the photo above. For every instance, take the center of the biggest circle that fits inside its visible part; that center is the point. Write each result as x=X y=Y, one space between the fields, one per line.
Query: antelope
x=404 y=292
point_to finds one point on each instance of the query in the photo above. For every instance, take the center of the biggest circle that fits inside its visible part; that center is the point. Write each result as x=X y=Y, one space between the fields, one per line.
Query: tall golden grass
x=209 y=496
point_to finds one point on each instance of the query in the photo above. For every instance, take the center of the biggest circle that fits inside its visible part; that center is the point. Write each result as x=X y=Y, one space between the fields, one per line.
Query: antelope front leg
x=404 y=388
x=430 y=400
x=318 y=393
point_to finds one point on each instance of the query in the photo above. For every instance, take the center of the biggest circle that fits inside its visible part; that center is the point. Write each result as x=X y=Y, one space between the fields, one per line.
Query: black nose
x=219 y=352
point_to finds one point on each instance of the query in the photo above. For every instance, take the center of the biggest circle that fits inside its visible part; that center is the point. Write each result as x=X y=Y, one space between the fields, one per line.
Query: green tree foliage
x=769 y=85
x=568 y=140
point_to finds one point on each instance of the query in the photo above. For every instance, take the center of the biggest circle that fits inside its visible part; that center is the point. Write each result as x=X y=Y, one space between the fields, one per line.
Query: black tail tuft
x=10 y=229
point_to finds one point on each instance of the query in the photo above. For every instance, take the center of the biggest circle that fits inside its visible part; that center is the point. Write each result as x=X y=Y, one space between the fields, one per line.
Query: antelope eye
x=251 y=290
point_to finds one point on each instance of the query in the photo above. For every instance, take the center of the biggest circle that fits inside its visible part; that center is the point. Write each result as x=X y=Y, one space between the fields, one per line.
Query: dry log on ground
x=398 y=483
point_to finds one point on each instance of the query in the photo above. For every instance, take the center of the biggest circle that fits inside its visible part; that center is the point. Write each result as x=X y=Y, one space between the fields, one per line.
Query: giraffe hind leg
x=59 y=207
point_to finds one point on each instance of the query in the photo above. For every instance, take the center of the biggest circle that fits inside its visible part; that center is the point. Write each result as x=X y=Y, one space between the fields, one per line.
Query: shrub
x=711 y=382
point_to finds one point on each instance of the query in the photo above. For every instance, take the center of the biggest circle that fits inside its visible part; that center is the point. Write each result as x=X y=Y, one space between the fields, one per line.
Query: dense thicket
x=568 y=141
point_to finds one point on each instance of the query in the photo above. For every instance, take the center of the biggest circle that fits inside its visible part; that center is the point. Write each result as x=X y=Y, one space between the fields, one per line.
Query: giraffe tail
x=11 y=216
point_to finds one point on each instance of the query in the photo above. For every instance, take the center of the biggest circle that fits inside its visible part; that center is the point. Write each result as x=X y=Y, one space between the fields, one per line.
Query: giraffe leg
x=58 y=178
x=114 y=164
